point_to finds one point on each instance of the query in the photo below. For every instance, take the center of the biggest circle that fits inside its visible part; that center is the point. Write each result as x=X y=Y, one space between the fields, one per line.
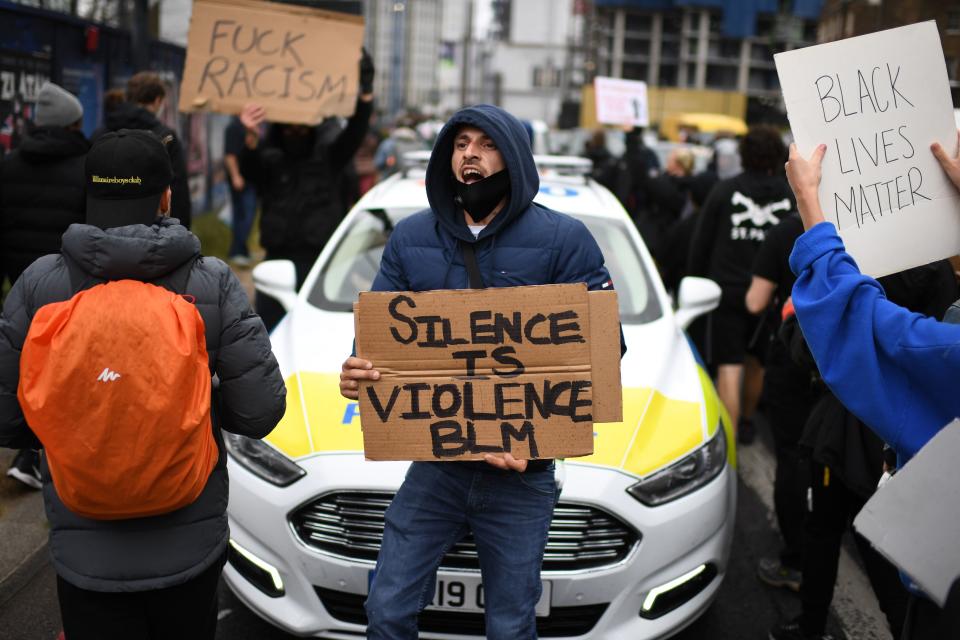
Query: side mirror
x=277 y=279
x=696 y=297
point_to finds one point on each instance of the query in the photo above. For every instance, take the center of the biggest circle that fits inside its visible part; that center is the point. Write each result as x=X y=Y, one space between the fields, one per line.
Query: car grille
x=350 y=524
x=563 y=621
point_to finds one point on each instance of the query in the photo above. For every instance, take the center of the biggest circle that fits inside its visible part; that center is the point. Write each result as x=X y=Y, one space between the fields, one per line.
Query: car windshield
x=353 y=265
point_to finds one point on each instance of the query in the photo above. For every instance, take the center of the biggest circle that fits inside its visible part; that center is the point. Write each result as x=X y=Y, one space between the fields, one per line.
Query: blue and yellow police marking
x=558 y=192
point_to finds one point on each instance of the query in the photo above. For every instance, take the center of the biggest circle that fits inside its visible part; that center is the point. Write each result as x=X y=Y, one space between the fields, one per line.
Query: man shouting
x=482 y=230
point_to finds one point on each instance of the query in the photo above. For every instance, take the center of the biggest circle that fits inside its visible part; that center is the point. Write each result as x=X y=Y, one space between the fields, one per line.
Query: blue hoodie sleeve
x=580 y=260
x=894 y=369
x=390 y=276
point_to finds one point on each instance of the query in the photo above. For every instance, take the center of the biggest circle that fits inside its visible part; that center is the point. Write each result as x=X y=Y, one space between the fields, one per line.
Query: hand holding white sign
x=804 y=178
x=876 y=113
x=950 y=163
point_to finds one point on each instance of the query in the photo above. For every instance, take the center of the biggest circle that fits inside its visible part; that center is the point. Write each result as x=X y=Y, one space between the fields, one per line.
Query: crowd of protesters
x=737 y=221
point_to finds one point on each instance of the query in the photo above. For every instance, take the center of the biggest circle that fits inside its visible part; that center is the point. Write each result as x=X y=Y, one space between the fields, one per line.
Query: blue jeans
x=509 y=514
x=244 y=207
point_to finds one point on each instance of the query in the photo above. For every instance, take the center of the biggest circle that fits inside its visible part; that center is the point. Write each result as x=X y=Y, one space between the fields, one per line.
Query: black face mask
x=481 y=197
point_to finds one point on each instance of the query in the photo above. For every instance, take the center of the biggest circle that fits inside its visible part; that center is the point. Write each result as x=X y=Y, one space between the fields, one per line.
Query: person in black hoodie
x=640 y=164
x=668 y=202
x=146 y=96
x=730 y=228
x=41 y=194
x=297 y=170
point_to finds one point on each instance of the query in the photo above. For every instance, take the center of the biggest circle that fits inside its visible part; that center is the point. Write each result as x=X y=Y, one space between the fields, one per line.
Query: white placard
x=878 y=101
x=919 y=503
x=621 y=101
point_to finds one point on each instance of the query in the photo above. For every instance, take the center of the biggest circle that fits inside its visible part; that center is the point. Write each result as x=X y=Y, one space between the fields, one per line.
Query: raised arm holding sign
x=876 y=113
x=299 y=63
x=895 y=370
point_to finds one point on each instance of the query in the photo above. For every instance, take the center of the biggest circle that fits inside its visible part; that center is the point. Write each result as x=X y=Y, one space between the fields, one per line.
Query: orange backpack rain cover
x=115 y=383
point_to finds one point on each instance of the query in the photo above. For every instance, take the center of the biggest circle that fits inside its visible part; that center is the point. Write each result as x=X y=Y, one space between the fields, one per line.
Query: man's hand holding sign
x=357 y=369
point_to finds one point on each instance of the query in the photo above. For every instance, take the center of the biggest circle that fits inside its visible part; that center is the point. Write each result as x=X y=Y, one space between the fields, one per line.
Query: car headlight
x=262 y=459
x=684 y=476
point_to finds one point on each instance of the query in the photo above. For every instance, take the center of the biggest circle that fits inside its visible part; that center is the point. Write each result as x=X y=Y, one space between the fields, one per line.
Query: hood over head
x=127 y=115
x=49 y=144
x=138 y=251
x=512 y=141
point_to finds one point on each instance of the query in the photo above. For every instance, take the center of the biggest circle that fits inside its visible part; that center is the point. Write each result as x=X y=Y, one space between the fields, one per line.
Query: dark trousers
x=788 y=398
x=244 y=207
x=187 y=611
x=833 y=507
x=788 y=484
x=927 y=621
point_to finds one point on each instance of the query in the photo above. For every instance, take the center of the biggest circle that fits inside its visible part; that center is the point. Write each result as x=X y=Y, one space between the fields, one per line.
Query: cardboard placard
x=878 y=101
x=621 y=102
x=914 y=519
x=526 y=370
x=300 y=64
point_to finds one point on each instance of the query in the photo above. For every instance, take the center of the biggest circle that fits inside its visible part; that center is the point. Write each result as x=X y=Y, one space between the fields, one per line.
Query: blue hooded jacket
x=894 y=369
x=524 y=244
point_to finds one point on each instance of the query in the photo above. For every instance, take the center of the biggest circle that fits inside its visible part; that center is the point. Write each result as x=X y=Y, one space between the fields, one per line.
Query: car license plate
x=464 y=592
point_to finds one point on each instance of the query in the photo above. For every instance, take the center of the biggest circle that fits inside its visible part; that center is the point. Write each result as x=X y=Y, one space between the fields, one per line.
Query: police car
x=641 y=534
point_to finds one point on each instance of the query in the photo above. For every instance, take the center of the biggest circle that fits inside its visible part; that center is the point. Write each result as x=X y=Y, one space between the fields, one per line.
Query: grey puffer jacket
x=160 y=551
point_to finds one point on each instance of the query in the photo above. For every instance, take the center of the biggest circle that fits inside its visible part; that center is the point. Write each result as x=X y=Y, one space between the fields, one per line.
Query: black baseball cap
x=126 y=173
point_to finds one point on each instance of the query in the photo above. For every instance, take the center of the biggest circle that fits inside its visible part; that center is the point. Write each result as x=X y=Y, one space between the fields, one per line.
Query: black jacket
x=130 y=116
x=142 y=554
x=41 y=194
x=301 y=204
x=732 y=224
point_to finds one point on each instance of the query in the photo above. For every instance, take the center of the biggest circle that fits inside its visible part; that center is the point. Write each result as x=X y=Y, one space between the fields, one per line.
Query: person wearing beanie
x=146 y=96
x=57 y=107
x=140 y=576
x=41 y=194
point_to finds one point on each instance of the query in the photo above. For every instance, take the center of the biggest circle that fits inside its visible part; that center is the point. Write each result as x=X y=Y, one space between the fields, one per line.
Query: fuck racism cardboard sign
x=524 y=370
x=878 y=101
x=300 y=64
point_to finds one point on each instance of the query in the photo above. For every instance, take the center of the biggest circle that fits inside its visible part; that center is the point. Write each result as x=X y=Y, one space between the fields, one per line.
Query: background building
x=403 y=37
x=847 y=18
x=533 y=56
x=725 y=45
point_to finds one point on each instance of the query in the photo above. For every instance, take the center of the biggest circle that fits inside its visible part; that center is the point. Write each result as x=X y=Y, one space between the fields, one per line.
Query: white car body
x=678 y=549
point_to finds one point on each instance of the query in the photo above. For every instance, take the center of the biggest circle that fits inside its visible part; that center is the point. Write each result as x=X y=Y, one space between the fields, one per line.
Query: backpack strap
x=470 y=261
x=79 y=279
x=178 y=279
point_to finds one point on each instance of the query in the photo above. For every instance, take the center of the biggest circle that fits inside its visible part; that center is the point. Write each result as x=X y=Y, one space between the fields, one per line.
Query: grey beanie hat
x=57 y=107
